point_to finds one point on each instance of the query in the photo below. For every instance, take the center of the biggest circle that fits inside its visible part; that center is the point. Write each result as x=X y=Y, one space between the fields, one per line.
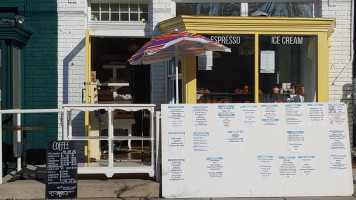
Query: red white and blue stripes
x=175 y=43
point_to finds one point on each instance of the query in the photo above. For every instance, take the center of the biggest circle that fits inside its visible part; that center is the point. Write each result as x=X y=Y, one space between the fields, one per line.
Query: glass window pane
x=115 y=17
x=285 y=9
x=95 y=16
x=104 y=7
x=231 y=9
x=288 y=68
x=114 y=7
x=208 y=9
x=133 y=16
x=124 y=7
x=94 y=7
x=144 y=17
x=124 y=17
x=134 y=7
x=143 y=7
x=236 y=68
x=104 y=16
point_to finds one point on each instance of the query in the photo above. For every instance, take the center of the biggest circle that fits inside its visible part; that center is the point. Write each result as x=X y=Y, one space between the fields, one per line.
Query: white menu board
x=264 y=150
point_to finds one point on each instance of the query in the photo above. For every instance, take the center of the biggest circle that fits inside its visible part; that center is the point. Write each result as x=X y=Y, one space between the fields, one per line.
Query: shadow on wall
x=347 y=98
x=78 y=118
x=69 y=64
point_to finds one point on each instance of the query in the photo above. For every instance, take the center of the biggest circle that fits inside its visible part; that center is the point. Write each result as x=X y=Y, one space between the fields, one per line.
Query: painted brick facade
x=72 y=24
x=71 y=51
x=161 y=10
x=341 y=87
x=40 y=66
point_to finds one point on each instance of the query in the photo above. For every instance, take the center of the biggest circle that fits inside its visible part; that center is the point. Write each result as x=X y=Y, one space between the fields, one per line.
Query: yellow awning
x=247 y=25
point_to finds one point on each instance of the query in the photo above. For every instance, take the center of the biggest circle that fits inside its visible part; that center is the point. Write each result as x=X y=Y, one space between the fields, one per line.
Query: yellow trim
x=87 y=67
x=87 y=90
x=219 y=25
x=257 y=86
x=247 y=25
x=323 y=68
x=189 y=79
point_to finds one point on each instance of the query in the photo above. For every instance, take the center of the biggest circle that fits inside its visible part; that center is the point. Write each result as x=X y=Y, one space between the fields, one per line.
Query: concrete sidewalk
x=250 y=198
x=32 y=189
x=130 y=189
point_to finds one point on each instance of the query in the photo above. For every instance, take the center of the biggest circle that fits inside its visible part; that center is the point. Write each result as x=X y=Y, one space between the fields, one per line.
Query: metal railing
x=110 y=169
x=67 y=134
x=17 y=134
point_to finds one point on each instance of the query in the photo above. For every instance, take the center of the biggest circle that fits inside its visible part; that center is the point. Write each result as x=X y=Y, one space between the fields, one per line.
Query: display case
x=281 y=98
x=217 y=97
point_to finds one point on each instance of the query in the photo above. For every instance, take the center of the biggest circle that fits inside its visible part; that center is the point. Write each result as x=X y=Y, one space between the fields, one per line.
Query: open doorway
x=118 y=82
x=109 y=62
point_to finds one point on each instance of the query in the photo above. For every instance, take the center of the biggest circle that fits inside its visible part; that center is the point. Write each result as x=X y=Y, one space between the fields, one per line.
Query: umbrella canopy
x=173 y=44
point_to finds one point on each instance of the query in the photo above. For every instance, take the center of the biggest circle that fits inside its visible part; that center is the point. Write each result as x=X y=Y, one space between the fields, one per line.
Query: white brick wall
x=340 y=67
x=161 y=10
x=71 y=55
x=71 y=50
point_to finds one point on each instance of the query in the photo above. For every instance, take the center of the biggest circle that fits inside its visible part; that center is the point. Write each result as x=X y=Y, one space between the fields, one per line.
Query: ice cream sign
x=286 y=40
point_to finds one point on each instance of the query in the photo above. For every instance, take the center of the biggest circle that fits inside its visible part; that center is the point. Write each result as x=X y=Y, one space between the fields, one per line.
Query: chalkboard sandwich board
x=62 y=166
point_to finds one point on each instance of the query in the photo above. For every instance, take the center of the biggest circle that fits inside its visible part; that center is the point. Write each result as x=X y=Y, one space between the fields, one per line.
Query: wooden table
x=24 y=171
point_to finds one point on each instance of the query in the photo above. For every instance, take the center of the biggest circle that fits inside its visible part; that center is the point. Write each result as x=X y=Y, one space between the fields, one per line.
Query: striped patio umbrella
x=174 y=44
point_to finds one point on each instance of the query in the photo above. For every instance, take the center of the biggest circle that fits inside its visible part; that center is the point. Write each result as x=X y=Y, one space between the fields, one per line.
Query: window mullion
x=124 y=13
x=109 y=12
x=244 y=9
x=99 y=11
x=129 y=12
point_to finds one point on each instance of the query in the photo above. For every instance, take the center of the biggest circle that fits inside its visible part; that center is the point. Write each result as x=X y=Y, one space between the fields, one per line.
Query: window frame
x=110 y=2
x=244 y=4
x=171 y=78
x=322 y=28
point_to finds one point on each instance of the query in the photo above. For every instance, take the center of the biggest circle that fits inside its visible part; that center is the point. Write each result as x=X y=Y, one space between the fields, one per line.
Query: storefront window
x=227 y=77
x=288 y=68
x=284 y=9
x=208 y=9
x=119 y=12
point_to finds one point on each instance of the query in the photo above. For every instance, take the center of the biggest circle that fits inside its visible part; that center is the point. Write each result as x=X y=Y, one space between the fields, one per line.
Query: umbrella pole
x=177 y=84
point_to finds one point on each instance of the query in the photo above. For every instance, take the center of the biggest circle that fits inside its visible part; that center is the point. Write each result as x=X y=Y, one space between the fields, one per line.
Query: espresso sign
x=226 y=39
x=61 y=170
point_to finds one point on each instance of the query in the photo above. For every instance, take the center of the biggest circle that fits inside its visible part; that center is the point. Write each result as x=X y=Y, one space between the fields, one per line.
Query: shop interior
x=230 y=79
x=287 y=70
x=115 y=81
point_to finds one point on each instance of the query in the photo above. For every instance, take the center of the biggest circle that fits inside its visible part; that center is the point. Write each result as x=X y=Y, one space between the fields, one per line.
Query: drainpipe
x=353 y=75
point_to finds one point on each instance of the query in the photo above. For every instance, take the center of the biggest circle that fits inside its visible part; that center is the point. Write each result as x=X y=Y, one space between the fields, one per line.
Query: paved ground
x=118 y=189
x=267 y=198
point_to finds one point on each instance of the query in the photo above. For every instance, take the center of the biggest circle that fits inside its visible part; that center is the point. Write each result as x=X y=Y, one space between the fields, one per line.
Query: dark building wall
x=40 y=66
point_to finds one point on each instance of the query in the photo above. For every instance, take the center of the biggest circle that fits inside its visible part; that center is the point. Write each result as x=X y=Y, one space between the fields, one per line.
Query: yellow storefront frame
x=322 y=28
x=87 y=90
